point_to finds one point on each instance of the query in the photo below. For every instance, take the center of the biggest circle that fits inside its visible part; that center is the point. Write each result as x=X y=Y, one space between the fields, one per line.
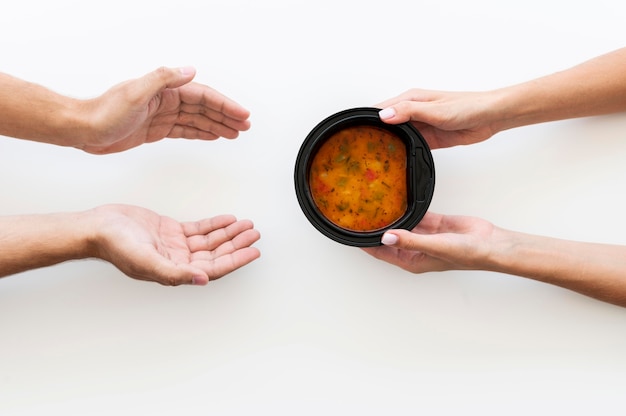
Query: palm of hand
x=133 y=122
x=159 y=105
x=445 y=119
x=439 y=243
x=147 y=246
x=438 y=138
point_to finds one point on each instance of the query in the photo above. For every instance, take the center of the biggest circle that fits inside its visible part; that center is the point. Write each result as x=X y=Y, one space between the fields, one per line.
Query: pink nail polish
x=389 y=239
x=387 y=113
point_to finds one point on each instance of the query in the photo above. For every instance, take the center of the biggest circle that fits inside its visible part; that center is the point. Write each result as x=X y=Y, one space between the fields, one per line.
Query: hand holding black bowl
x=357 y=177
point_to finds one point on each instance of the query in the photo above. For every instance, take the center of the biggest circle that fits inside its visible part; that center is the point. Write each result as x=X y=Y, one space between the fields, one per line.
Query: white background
x=312 y=327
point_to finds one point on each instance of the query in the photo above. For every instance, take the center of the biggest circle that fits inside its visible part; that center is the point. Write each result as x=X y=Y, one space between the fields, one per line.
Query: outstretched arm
x=594 y=87
x=446 y=119
x=441 y=242
x=141 y=243
x=162 y=103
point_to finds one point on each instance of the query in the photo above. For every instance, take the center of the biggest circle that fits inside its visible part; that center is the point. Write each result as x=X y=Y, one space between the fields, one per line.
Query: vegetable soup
x=358 y=178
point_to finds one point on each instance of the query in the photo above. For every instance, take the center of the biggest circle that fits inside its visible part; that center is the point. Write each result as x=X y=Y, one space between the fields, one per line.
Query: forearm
x=595 y=87
x=33 y=241
x=32 y=112
x=595 y=270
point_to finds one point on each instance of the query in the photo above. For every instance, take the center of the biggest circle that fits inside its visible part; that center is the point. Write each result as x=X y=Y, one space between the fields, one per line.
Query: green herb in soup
x=358 y=178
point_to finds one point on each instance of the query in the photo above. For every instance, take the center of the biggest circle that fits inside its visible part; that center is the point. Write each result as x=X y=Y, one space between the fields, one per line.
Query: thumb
x=181 y=274
x=154 y=267
x=405 y=240
x=395 y=114
x=162 y=78
x=405 y=111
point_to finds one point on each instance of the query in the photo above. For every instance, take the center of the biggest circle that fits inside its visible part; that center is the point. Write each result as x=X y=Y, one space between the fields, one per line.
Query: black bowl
x=419 y=169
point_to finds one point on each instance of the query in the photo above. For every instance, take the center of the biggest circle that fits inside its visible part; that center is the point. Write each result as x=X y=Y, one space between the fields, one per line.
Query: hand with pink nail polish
x=437 y=243
x=445 y=242
x=448 y=119
x=445 y=119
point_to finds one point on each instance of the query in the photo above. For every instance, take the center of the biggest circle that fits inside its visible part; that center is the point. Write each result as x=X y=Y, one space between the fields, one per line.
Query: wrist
x=90 y=237
x=32 y=112
x=74 y=124
x=538 y=101
x=65 y=123
x=508 y=111
x=74 y=235
x=536 y=257
x=508 y=250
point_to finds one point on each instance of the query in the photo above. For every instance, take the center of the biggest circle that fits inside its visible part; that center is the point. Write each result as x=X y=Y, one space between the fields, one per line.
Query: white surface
x=312 y=327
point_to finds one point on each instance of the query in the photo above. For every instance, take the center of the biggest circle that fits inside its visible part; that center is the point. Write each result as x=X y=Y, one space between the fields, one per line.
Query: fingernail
x=389 y=239
x=387 y=113
x=187 y=70
x=199 y=280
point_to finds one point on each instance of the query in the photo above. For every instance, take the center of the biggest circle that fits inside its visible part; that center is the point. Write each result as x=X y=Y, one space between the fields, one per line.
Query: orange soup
x=358 y=178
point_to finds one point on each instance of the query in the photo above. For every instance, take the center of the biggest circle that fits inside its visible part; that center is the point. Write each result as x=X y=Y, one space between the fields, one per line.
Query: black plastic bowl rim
x=420 y=175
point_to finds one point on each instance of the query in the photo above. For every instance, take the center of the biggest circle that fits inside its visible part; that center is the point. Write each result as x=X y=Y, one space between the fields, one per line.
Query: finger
x=391 y=101
x=198 y=94
x=162 y=78
x=218 y=236
x=442 y=249
x=210 y=131
x=225 y=128
x=156 y=268
x=395 y=114
x=206 y=225
x=223 y=265
x=191 y=133
x=241 y=240
x=404 y=111
x=182 y=275
x=405 y=240
x=389 y=115
x=215 y=116
x=430 y=223
x=408 y=253
x=412 y=261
